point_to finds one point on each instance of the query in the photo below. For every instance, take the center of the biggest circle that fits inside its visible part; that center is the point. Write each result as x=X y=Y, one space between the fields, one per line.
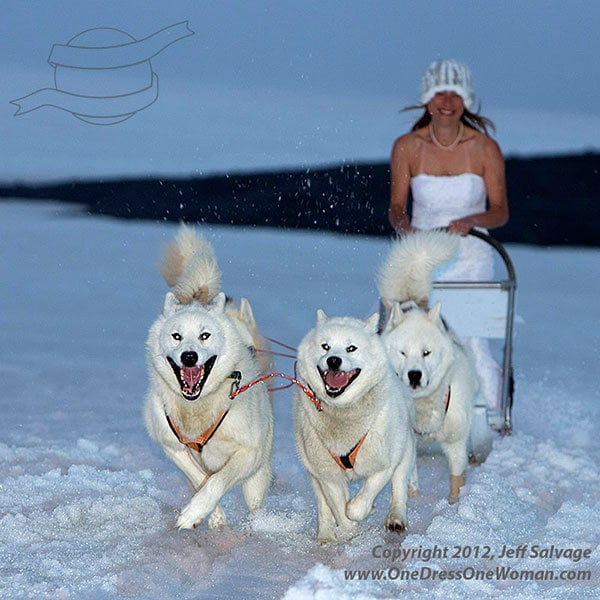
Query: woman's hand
x=403 y=226
x=460 y=226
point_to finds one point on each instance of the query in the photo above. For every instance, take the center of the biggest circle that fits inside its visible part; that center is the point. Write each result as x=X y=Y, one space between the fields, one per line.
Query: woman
x=452 y=167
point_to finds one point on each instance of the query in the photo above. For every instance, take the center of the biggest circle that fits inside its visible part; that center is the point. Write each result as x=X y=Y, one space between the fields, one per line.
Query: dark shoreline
x=553 y=200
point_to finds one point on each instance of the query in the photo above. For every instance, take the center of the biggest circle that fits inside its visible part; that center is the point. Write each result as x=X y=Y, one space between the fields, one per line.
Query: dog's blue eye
x=204 y=336
x=351 y=349
x=176 y=336
x=325 y=347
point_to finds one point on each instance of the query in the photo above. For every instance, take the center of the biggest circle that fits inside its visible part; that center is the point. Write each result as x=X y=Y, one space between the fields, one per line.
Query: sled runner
x=485 y=309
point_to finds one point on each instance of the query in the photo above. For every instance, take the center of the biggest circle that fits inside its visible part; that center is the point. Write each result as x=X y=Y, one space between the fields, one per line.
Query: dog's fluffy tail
x=406 y=273
x=190 y=268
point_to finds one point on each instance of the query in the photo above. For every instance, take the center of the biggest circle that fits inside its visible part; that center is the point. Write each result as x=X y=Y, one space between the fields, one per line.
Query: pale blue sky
x=282 y=83
x=523 y=54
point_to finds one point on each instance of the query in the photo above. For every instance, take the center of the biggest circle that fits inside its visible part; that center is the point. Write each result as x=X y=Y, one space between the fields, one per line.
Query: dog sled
x=486 y=309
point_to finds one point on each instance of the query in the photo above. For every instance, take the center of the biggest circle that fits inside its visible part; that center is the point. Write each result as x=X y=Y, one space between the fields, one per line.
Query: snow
x=88 y=502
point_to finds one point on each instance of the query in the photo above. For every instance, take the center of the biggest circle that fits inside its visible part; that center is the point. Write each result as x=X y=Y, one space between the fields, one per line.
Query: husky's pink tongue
x=191 y=376
x=337 y=379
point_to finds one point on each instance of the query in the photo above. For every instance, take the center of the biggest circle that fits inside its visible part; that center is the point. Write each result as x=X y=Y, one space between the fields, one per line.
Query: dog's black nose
x=334 y=363
x=189 y=359
x=414 y=378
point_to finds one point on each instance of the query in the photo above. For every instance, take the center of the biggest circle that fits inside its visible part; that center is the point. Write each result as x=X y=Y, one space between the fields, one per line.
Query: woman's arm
x=399 y=186
x=495 y=184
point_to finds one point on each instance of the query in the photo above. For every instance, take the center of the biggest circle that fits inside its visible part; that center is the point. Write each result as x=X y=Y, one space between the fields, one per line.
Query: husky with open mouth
x=197 y=349
x=363 y=430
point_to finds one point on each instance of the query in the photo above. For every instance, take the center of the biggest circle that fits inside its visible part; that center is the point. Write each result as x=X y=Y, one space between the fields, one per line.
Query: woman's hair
x=474 y=120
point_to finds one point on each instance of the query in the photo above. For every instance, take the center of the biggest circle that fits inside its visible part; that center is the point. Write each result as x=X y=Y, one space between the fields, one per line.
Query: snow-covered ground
x=88 y=503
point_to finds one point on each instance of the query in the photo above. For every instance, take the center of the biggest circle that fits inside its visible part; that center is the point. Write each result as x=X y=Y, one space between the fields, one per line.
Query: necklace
x=453 y=144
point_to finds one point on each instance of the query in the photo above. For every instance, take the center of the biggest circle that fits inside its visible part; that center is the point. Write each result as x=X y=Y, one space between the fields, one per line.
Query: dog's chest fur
x=430 y=412
x=340 y=428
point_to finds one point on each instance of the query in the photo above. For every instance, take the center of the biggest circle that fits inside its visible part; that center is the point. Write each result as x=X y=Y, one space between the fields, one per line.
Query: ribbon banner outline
x=90 y=106
x=104 y=57
x=123 y=55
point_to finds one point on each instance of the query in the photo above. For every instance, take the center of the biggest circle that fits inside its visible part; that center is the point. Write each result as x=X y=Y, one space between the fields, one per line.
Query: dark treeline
x=553 y=200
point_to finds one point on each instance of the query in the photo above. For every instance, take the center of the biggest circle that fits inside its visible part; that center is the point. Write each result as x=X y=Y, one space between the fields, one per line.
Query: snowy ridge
x=88 y=503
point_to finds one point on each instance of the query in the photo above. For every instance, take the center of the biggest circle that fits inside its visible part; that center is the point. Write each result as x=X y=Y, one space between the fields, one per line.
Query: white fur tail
x=406 y=273
x=190 y=268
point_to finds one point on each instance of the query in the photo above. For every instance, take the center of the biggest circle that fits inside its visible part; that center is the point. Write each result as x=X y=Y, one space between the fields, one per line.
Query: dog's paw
x=326 y=538
x=393 y=523
x=217 y=520
x=413 y=492
x=357 y=510
x=342 y=534
x=189 y=518
x=184 y=522
x=456 y=482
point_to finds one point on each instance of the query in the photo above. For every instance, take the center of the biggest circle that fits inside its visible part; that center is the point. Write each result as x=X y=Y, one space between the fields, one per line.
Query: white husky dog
x=426 y=355
x=197 y=348
x=363 y=430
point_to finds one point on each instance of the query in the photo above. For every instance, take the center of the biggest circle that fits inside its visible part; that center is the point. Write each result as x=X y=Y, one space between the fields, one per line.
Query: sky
x=292 y=84
x=533 y=54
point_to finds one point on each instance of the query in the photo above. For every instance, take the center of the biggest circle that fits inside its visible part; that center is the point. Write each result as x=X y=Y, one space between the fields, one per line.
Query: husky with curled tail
x=198 y=348
x=435 y=368
x=190 y=269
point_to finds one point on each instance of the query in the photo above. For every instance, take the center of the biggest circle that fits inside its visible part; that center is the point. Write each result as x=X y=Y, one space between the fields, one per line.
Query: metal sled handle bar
x=500 y=249
x=507 y=371
x=486 y=237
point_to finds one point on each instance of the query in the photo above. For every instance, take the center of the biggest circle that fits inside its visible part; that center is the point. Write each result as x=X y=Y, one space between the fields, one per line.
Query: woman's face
x=446 y=105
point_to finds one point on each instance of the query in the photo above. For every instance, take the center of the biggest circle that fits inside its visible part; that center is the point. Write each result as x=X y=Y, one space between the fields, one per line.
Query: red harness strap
x=201 y=441
x=236 y=390
x=347 y=461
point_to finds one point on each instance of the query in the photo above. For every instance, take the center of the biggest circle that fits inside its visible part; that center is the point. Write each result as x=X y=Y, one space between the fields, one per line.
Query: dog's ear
x=171 y=304
x=396 y=316
x=218 y=303
x=246 y=313
x=321 y=316
x=434 y=314
x=385 y=305
x=372 y=323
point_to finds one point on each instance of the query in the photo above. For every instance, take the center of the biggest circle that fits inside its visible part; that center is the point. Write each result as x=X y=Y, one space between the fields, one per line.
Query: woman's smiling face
x=446 y=104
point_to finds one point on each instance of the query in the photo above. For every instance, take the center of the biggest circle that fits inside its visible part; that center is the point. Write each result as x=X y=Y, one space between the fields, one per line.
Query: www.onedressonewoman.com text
x=499 y=573
x=502 y=572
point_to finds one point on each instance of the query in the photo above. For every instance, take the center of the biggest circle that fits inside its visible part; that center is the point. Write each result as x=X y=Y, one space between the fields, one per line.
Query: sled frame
x=502 y=294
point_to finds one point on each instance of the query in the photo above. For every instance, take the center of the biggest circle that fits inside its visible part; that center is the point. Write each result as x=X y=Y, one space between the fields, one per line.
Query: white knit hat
x=447 y=76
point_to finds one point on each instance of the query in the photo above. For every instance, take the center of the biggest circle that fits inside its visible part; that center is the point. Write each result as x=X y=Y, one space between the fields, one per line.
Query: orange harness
x=198 y=443
x=347 y=461
x=201 y=441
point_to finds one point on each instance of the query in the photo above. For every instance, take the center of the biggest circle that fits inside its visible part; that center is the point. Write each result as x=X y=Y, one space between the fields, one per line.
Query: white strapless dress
x=437 y=200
